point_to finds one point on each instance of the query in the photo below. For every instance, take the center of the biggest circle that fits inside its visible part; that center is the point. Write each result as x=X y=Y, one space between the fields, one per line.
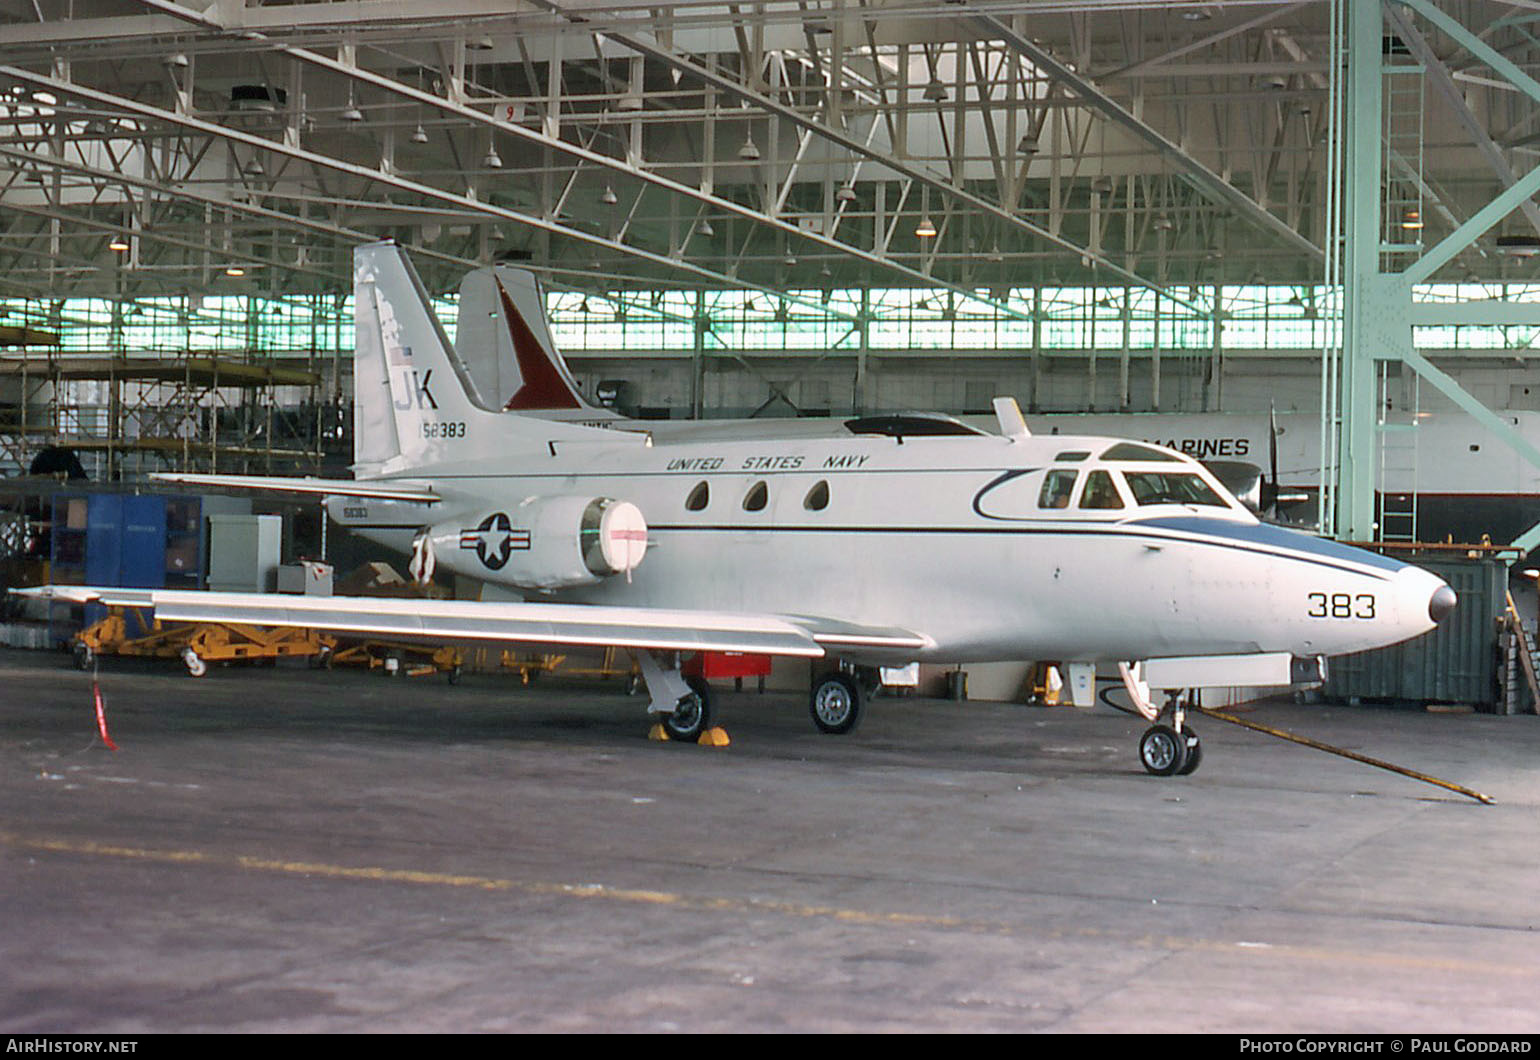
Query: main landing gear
x=681 y=704
x=836 y=704
x=692 y=714
x=684 y=710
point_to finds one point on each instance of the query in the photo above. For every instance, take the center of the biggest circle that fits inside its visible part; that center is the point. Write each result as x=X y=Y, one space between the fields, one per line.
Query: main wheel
x=693 y=714
x=836 y=704
x=1162 y=751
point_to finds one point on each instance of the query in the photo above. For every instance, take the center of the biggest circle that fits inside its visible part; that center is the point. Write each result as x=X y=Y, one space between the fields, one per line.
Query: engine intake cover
x=544 y=542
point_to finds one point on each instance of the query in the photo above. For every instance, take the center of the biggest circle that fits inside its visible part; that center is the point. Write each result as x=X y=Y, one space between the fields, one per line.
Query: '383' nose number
x=1341 y=605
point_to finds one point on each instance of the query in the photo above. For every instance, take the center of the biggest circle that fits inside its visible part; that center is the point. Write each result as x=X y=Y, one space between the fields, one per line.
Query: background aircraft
x=1459 y=481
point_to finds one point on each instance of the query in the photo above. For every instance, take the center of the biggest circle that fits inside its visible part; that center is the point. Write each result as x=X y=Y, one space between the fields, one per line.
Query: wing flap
x=523 y=623
x=656 y=629
x=837 y=634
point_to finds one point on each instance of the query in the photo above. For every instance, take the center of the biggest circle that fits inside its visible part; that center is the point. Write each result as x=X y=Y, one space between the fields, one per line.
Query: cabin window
x=817 y=498
x=757 y=497
x=1057 y=486
x=1069 y=456
x=1100 y=492
x=699 y=497
x=1165 y=487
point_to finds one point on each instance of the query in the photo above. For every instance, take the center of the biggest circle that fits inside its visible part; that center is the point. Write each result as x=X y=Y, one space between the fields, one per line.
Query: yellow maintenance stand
x=132 y=631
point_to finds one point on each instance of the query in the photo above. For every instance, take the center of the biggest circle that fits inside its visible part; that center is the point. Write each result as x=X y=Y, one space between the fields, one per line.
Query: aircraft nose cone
x=1441 y=603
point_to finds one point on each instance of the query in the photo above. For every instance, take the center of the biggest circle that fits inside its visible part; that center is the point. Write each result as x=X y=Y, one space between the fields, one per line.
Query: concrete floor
x=282 y=850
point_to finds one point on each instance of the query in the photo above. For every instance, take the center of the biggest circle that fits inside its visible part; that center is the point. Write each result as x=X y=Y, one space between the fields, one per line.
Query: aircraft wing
x=504 y=622
x=329 y=487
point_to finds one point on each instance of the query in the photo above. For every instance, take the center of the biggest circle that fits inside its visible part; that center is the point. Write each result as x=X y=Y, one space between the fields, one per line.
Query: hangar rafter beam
x=1211 y=184
x=340 y=166
x=474 y=115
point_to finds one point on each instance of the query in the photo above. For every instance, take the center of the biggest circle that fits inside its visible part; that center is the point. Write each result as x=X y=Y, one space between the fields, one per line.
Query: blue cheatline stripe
x=1260 y=539
x=1275 y=537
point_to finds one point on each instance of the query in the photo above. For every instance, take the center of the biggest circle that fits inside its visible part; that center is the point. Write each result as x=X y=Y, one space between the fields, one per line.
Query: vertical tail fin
x=415 y=403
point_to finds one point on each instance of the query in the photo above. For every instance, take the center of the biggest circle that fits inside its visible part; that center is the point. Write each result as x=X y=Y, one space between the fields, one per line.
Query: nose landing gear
x=1171 y=750
x=1165 y=751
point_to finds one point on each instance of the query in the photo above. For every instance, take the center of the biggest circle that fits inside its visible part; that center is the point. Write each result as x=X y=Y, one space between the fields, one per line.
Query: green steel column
x=863 y=353
x=698 y=358
x=1364 y=288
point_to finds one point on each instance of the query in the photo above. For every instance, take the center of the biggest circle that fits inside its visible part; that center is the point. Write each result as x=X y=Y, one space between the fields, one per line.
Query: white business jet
x=854 y=551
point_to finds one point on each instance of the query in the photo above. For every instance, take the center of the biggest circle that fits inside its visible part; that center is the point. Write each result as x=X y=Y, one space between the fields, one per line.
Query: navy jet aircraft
x=854 y=551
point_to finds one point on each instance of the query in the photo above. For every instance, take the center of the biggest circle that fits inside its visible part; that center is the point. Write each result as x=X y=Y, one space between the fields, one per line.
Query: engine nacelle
x=542 y=543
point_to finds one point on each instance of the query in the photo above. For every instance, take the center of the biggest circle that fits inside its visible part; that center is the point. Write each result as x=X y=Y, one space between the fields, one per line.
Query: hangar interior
x=811 y=208
x=1296 y=227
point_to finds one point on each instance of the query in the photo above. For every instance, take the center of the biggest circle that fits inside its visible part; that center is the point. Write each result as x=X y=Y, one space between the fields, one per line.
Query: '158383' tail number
x=1341 y=605
x=445 y=429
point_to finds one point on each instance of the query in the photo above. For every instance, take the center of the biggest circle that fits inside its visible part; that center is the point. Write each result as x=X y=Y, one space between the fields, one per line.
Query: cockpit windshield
x=1171 y=487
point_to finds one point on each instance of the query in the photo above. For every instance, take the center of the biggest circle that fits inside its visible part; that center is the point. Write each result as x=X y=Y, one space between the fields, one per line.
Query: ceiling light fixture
x=926 y=229
x=1519 y=246
x=419 y=134
x=749 y=152
x=118 y=243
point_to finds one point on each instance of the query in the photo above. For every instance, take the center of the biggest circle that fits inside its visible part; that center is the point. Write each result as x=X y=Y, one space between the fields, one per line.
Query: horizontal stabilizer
x=330 y=487
x=109 y=596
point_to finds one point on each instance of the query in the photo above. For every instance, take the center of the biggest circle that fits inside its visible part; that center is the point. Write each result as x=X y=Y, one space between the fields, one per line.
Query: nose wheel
x=1171 y=750
x=1166 y=753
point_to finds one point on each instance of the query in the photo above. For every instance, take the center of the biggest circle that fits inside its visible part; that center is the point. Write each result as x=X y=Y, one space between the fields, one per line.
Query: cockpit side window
x=1100 y=492
x=1168 y=487
x=1057 y=487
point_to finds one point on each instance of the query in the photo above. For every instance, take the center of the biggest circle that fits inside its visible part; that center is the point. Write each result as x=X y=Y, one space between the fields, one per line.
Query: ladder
x=1526 y=651
x=1398 y=468
x=1405 y=108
